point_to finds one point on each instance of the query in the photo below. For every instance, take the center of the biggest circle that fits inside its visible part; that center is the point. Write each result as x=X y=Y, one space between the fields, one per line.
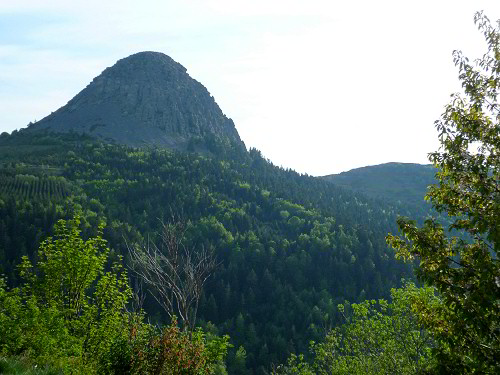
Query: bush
x=153 y=351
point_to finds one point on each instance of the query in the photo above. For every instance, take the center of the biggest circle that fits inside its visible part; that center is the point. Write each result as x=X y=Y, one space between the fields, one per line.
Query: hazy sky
x=317 y=86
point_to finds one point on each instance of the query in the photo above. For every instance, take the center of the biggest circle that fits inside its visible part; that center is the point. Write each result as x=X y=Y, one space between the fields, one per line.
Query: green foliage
x=30 y=329
x=403 y=182
x=23 y=366
x=237 y=363
x=68 y=305
x=296 y=365
x=303 y=244
x=71 y=312
x=70 y=277
x=466 y=273
x=34 y=187
x=377 y=337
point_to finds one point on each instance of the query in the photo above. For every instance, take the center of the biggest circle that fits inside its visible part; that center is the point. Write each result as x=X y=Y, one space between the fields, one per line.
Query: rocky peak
x=144 y=99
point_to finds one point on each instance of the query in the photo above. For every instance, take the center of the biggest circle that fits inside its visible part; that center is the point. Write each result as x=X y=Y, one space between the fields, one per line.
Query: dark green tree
x=464 y=268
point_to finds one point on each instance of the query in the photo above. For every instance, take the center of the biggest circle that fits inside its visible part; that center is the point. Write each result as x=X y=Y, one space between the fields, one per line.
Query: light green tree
x=378 y=337
x=69 y=304
x=465 y=269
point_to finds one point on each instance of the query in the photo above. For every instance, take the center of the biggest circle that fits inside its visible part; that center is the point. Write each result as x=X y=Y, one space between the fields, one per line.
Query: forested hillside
x=290 y=246
x=403 y=184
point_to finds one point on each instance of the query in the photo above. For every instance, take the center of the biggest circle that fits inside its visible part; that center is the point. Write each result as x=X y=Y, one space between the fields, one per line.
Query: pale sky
x=319 y=86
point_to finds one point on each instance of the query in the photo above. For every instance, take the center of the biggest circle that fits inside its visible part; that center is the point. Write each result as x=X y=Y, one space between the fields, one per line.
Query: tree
x=69 y=305
x=175 y=272
x=378 y=337
x=464 y=268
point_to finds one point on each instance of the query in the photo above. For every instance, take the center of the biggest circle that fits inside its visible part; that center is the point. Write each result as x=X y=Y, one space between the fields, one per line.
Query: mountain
x=144 y=99
x=394 y=182
x=291 y=247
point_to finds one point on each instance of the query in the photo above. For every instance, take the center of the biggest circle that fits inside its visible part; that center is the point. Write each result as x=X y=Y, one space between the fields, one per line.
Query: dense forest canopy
x=291 y=246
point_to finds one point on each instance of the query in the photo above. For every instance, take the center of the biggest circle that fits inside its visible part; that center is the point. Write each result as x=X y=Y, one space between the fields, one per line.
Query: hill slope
x=397 y=183
x=292 y=246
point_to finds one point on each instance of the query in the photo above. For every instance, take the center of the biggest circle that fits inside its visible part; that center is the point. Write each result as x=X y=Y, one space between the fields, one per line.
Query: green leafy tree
x=465 y=269
x=28 y=329
x=70 y=276
x=69 y=305
x=378 y=337
x=296 y=365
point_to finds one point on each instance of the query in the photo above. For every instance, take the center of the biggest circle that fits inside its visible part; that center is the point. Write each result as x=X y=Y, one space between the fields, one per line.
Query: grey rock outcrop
x=144 y=99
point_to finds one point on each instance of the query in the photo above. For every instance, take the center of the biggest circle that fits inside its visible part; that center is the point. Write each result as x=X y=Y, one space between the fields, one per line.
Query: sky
x=319 y=86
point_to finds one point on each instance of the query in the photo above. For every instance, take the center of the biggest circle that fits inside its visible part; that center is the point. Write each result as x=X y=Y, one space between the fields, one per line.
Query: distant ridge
x=405 y=182
x=144 y=99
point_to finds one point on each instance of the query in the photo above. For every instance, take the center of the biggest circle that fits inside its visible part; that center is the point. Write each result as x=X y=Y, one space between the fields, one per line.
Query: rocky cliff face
x=144 y=99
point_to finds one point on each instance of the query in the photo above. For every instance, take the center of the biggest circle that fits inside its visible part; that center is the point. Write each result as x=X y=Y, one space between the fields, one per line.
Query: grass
x=23 y=366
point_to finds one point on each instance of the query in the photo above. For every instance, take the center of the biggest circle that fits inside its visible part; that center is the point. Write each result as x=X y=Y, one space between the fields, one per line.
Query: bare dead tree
x=174 y=272
x=138 y=296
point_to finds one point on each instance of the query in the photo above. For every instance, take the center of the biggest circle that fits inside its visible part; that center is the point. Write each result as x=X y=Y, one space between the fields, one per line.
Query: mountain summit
x=144 y=99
